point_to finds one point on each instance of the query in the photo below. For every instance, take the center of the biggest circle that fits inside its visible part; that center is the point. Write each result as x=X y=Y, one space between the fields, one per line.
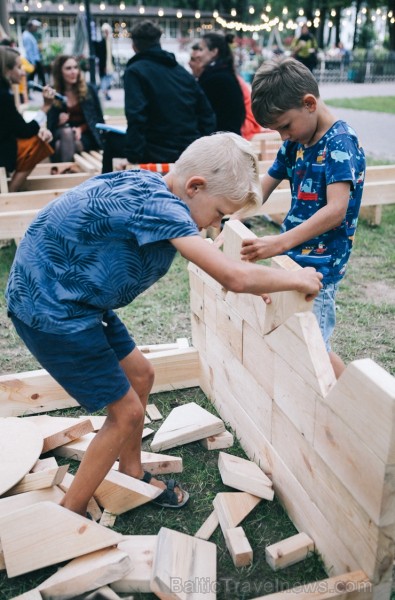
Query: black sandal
x=168 y=498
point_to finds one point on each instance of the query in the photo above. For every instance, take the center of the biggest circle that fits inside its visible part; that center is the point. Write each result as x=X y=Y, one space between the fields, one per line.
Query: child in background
x=97 y=247
x=325 y=166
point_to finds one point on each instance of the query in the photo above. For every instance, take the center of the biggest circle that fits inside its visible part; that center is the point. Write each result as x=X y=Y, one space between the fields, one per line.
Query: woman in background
x=219 y=82
x=73 y=122
x=22 y=144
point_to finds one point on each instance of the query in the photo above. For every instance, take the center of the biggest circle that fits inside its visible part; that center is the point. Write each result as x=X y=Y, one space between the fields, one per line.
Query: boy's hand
x=310 y=282
x=258 y=248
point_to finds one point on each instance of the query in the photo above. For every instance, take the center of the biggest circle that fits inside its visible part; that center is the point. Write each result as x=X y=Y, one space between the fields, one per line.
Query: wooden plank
x=85 y=164
x=348 y=586
x=244 y=475
x=103 y=593
x=186 y=423
x=283 y=304
x=153 y=412
x=64 y=182
x=198 y=564
x=44 y=463
x=3 y=181
x=13 y=503
x=20 y=201
x=31 y=392
x=207 y=528
x=369 y=480
x=93 y=509
x=58 y=431
x=30 y=595
x=233 y=507
x=39 y=481
x=36 y=391
x=20 y=446
x=364 y=397
x=289 y=551
x=221 y=441
x=141 y=550
x=86 y=573
x=30 y=537
x=239 y=547
x=119 y=493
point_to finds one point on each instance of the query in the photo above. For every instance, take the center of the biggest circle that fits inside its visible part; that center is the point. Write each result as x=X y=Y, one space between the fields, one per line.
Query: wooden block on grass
x=244 y=475
x=197 y=568
x=86 y=573
x=207 y=529
x=153 y=412
x=58 y=431
x=141 y=550
x=119 y=493
x=44 y=534
x=20 y=446
x=221 y=441
x=289 y=551
x=233 y=507
x=39 y=480
x=239 y=547
x=186 y=423
x=107 y=519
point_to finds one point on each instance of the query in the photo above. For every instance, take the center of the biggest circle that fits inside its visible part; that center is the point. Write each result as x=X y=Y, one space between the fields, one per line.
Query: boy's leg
x=120 y=437
x=324 y=308
x=140 y=373
x=123 y=424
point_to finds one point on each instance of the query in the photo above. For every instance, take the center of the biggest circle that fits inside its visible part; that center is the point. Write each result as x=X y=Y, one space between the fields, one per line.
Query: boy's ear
x=194 y=184
x=310 y=102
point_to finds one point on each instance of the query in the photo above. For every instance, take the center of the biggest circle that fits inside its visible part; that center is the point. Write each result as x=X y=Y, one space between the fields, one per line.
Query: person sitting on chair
x=73 y=124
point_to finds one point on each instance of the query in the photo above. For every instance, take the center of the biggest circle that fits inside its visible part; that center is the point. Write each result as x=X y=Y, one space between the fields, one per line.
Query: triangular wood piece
x=141 y=550
x=58 y=431
x=13 y=503
x=39 y=480
x=181 y=558
x=119 y=493
x=43 y=464
x=186 y=423
x=86 y=573
x=233 y=507
x=300 y=344
x=20 y=446
x=45 y=534
x=103 y=593
x=244 y=475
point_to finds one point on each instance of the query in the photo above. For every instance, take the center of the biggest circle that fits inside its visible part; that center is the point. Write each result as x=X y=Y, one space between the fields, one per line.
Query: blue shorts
x=85 y=364
x=324 y=308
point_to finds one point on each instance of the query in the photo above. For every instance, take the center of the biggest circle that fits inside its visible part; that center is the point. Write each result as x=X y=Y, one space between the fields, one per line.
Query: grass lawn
x=384 y=104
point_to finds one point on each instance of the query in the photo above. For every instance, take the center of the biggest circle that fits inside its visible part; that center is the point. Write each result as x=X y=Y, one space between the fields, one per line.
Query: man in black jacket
x=166 y=110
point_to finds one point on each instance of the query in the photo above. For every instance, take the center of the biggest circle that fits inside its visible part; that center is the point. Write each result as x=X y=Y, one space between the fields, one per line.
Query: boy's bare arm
x=268 y=184
x=243 y=277
x=325 y=219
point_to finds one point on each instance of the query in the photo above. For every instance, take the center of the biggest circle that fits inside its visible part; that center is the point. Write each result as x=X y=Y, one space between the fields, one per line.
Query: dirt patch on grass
x=379 y=292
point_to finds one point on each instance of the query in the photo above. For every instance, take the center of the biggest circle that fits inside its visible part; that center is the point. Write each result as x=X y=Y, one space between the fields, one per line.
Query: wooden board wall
x=328 y=446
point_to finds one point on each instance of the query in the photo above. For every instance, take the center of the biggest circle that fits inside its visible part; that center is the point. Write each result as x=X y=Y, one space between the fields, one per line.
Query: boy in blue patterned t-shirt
x=325 y=166
x=97 y=247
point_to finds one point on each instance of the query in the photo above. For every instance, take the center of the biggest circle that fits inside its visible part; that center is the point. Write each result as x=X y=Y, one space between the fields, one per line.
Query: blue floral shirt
x=95 y=248
x=336 y=157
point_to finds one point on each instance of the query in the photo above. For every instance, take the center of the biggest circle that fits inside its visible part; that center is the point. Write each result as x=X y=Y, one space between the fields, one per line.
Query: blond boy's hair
x=280 y=84
x=230 y=168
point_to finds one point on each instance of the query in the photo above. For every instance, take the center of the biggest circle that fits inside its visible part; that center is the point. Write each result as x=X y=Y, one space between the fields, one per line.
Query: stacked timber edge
x=328 y=446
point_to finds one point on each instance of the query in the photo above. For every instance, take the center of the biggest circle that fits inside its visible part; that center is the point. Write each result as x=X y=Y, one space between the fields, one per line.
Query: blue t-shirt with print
x=95 y=248
x=336 y=157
